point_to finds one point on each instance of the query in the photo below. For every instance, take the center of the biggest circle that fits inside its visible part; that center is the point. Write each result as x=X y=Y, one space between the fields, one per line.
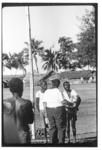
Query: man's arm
x=78 y=101
x=31 y=113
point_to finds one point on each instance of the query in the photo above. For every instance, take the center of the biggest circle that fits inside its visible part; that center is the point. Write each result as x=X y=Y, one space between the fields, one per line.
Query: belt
x=55 y=107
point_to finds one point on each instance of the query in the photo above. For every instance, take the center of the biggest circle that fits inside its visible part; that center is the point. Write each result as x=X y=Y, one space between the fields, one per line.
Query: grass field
x=87 y=121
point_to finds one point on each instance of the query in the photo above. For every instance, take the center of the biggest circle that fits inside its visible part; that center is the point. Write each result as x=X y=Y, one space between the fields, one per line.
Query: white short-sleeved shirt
x=40 y=95
x=53 y=97
x=73 y=96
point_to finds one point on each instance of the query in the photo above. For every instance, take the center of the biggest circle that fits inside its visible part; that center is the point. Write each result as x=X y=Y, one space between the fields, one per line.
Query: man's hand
x=74 y=105
x=67 y=104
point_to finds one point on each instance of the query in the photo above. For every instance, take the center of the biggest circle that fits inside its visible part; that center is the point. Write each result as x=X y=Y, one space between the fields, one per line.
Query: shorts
x=71 y=115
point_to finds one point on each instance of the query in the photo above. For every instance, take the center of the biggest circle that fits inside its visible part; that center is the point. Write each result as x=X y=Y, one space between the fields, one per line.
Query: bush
x=76 y=74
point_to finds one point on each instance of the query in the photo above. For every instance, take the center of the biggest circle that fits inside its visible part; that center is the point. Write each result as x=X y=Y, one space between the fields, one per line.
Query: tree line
x=69 y=56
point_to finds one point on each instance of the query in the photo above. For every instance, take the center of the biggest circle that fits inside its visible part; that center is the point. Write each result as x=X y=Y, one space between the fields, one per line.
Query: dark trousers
x=57 y=120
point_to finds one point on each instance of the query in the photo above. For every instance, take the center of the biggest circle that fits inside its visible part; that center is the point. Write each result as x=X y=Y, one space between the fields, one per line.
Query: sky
x=48 y=23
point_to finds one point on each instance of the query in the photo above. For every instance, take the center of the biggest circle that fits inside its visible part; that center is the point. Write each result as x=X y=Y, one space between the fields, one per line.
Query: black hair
x=66 y=82
x=56 y=82
x=16 y=86
x=42 y=81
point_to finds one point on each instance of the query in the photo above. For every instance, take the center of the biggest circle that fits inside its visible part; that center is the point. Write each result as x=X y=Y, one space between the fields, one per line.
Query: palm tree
x=5 y=60
x=62 y=60
x=20 y=62
x=50 y=59
x=67 y=53
x=4 y=56
x=66 y=44
x=36 y=49
x=15 y=61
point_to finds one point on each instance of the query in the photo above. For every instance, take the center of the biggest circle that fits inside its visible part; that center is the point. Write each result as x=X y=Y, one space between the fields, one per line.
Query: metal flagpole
x=31 y=73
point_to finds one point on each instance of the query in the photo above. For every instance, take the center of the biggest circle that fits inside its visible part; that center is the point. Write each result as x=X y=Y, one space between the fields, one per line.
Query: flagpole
x=31 y=74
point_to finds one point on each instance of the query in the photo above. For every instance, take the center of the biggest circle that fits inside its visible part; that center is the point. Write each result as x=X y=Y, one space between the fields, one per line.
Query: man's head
x=66 y=85
x=43 y=85
x=16 y=86
x=55 y=83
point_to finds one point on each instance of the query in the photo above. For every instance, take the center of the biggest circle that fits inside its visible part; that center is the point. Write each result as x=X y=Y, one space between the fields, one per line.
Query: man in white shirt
x=56 y=112
x=72 y=102
x=39 y=96
x=42 y=121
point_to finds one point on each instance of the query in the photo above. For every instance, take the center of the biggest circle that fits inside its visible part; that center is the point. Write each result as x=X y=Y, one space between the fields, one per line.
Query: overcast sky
x=48 y=23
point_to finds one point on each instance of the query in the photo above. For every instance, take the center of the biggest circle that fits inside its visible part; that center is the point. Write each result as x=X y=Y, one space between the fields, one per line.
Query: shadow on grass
x=86 y=142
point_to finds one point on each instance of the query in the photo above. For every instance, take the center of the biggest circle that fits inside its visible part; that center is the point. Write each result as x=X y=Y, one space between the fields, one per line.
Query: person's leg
x=68 y=130
x=53 y=129
x=60 y=117
x=73 y=122
x=68 y=126
x=29 y=137
x=45 y=127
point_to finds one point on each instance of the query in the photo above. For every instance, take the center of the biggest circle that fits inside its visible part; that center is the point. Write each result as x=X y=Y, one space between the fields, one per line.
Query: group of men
x=60 y=108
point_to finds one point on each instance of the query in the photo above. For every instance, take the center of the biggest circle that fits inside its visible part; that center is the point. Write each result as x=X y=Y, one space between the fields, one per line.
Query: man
x=39 y=96
x=20 y=109
x=10 y=133
x=41 y=120
x=56 y=112
x=72 y=102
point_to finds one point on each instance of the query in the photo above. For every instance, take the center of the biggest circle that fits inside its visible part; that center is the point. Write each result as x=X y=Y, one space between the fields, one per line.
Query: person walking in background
x=72 y=102
x=55 y=112
x=21 y=110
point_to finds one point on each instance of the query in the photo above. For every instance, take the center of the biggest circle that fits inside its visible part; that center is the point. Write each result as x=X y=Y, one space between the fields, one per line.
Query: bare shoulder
x=8 y=99
x=8 y=104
